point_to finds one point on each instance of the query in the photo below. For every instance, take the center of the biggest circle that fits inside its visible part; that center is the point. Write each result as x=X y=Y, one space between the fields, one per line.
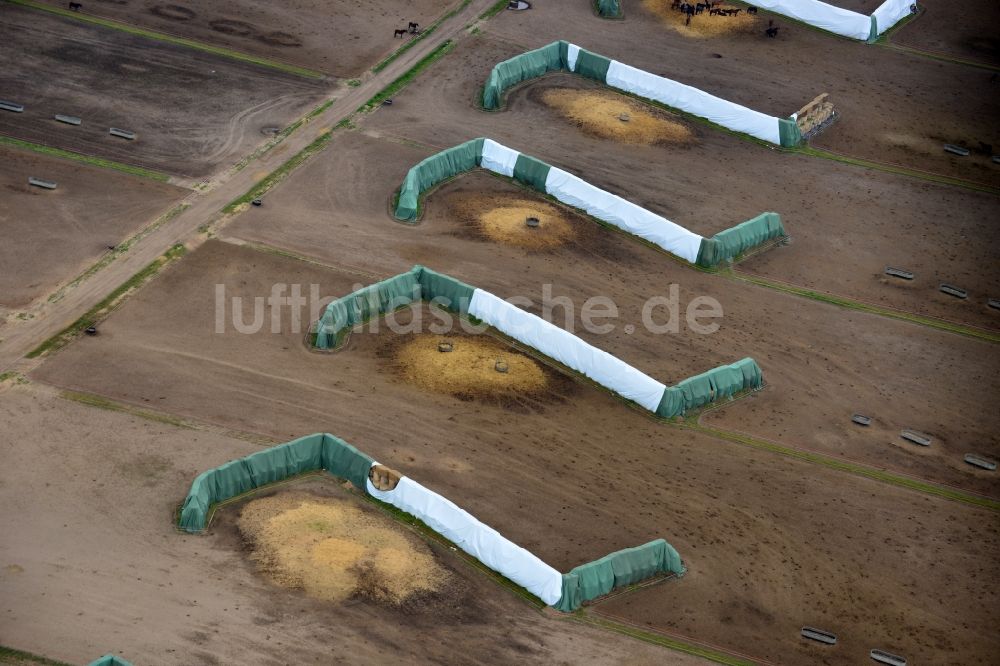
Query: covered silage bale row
x=109 y=660
x=722 y=382
x=609 y=8
x=572 y=58
x=619 y=569
x=306 y=454
x=840 y=21
x=596 y=202
x=324 y=451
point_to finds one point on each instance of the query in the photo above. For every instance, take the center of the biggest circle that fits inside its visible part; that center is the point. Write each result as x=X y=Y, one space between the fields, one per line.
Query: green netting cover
x=608 y=8
x=433 y=170
x=319 y=451
x=531 y=171
x=110 y=660
x=737 y=240
x=522 y=67
x=619 y=569
x=445 y=290
x=721 y=382
x=872 y=33
x=365 y=303
x=592 y=66
x=788 y=133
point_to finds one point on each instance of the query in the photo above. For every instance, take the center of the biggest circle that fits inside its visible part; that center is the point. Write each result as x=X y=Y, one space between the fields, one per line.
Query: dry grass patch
x=333 y=550
x=469 y=370
x=610 y=115
x=704 y=25
x=503 y=219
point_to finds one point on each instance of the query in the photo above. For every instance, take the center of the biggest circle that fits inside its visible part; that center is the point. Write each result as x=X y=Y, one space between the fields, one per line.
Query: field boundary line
x=121 y=26
x=104 y=163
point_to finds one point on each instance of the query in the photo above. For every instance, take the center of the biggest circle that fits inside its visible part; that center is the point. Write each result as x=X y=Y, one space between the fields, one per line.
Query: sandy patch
x=704 y=25
x=610 y=115
x=503 y=219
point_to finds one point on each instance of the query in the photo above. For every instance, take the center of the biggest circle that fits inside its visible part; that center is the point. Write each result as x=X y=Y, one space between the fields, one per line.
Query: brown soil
x=469 y=370
x=704 y=25
x=610 y=115
x=340 y=37
x=51 y=236
x=333 y=551
x=503 y=219
x=191 y=111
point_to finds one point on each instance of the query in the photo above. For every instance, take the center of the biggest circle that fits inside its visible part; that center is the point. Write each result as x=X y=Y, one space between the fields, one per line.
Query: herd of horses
x=412 y=29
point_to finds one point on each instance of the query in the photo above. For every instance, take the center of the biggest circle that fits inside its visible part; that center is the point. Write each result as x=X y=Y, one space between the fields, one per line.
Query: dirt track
x=191 y=111
x=341 y=38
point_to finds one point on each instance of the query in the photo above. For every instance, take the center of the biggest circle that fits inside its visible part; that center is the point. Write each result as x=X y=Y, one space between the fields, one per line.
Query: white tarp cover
x=623 y=214
x=571 y=351
x=834 y=19
x=700 y=103
x=481 y=541
x=498 y=158
x=891 y=12
x=572 y=53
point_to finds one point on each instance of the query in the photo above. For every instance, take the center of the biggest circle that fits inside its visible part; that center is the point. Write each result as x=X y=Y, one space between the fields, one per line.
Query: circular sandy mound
x=504 y=219
x=703 y=25
x=613 y=116
x=469 y=370
x=333 y=551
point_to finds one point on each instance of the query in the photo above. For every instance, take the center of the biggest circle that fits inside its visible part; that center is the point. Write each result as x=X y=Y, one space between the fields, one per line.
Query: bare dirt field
x=847 y=224
x=52 y=235
x=340 y=38
x=771 y=543
x=91 y=564
x=191 y=111
x=894 y=107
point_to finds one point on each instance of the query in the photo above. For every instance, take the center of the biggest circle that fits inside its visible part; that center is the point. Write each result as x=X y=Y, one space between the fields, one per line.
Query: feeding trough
x=898 y=272
x=257 y=202
x=994 y=303
x=996 y=158
x=979 y=461
x=956 y=150
x=861 y=419
x=387 y=102
x=69 y=120
x=532 y=222
x=819 y=635
x=500 y=366
x=518 y=5
x=624 y=117
x=884 y=657
x=952 y=290
x=90 y=330
x=916 y=437
x=11 y=106
x=38 y=182
x=125 y=134
x=445 y=347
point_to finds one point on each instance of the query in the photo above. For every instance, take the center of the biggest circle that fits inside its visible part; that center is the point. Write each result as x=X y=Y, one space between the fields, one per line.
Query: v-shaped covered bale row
x=576 y=192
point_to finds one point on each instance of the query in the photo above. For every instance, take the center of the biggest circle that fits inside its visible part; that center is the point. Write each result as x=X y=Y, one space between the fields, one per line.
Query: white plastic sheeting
x=833 y=19
x=477 y=539
x=891 y=12
x=498 y=158
x=572 y=53
x=568 y=349
x=700 y=103
x=623 y=214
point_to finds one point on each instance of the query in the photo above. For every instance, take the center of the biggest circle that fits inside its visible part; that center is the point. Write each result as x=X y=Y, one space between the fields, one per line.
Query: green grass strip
x=660 y=639
x=853 y=468
x=495 y=9
x=400 y=83
x=849 y=304
x=65 y=336
x=100 y=402
x=170 y=39
x=85 y=159
x=18 y=658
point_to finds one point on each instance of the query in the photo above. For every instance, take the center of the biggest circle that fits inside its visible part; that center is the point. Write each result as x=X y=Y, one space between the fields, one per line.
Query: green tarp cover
x=592 y=66
x=109 y=660
x=531 y=171
x=737 y=240
x=522 y=67
x=608 y=8
x=313 y=452
x=445 y=290
x=365 y=303
x=721 y=382
x=619 y=569
x=788 y=133
x=872 y=33
x=433 y=170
